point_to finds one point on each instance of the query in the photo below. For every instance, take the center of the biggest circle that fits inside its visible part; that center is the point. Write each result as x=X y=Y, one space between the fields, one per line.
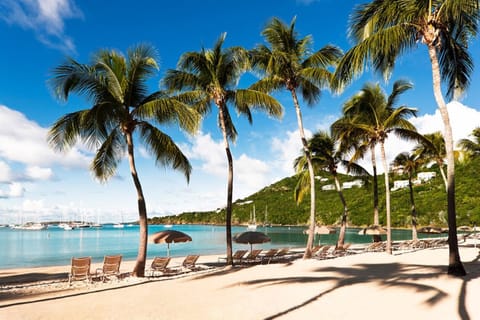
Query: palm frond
x=163 y=148
x=108 y=156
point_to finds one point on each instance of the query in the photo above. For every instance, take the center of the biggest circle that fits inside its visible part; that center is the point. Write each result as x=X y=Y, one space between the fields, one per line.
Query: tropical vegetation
x=445 y=27
x=209 y=77
x=122 y=111
x=287 y=63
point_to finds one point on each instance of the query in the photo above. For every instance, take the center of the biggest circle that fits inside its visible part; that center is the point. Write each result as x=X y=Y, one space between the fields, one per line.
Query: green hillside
x=277 y=201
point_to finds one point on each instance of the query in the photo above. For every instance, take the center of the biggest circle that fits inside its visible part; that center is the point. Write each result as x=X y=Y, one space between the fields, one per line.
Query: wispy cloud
x=44 y=17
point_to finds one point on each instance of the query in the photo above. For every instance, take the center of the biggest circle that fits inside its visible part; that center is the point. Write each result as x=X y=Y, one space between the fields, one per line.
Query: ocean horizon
x=55 y=246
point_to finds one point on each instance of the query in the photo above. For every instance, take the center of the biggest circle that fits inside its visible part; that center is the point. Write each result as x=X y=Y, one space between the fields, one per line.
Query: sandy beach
x=405 y=285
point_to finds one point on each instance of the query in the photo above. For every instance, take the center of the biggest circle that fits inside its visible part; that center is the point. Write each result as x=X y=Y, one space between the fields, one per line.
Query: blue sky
x=39 y=184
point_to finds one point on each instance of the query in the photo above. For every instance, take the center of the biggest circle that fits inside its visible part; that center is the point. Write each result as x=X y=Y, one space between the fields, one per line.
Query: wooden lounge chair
x=282 y=255
x=252 y=256
x=268 y=256
x=237 y=256
x=160 y=264
x=324 y=252
x=111 y=267
x=80 y=270
x=188 y=264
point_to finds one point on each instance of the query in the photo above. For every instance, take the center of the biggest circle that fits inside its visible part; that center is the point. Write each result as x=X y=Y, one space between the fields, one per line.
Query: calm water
x=55 y=246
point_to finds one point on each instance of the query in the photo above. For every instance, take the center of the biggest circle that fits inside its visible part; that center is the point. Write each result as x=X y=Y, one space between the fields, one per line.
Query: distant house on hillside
x=425 y=176
x=350 y=184
x=321 y=179
x=399 y=184
x=328 y=187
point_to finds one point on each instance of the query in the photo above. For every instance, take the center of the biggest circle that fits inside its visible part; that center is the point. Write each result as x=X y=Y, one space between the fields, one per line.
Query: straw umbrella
x=251 y=237
x=169 y=236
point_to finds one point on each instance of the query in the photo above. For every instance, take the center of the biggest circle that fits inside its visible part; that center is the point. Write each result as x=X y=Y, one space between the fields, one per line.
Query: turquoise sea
x=56 y=246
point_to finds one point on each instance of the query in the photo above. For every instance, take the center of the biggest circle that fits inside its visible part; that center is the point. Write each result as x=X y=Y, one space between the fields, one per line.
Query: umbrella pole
x=168 y=249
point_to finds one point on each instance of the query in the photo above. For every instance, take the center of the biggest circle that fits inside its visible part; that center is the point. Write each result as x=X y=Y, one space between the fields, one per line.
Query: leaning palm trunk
x=376 y=219
x=343 y=226
x=139 y=269
x=442 y=172
x=414 y=211
x=455 y=266
x=387 y=199
x=228 y=214
x=311 y=173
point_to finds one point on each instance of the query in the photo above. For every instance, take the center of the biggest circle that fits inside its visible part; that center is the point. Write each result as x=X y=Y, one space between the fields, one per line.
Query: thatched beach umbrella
x=373 y=230
x=322 y=230
x=251 y=237
x=430 y=229
x=169 y=236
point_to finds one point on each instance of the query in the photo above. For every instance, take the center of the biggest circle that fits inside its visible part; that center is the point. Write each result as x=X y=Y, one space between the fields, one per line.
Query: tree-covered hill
x=276 y=203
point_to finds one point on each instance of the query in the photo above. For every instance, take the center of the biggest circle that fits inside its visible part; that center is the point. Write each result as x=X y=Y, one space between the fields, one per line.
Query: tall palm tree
x=445 y=27
x=325 y=157
x=410 y=163
x=210 y=78
x=471 y=146
x=372 y=116
x=432 y=147
x=287 y=63
x=122 y=111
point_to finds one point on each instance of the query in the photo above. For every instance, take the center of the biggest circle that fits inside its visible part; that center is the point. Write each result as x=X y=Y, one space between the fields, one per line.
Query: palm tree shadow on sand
x=387 y=275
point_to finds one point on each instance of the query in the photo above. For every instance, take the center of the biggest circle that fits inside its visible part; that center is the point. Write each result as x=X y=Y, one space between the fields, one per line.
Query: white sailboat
x=252 y=224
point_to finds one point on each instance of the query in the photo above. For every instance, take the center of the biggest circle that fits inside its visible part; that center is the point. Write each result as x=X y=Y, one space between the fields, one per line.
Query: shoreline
x=356 y=286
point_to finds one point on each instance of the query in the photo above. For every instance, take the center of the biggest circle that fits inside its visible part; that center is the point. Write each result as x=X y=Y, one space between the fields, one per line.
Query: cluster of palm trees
x=123 y=112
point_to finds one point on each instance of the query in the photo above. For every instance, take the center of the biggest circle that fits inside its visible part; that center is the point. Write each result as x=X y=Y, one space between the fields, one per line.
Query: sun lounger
x=111 y=267
x=324 y=252
x=160 y=264
x=237 y=256
x=268 y=256
x=282 y=255
x=80 y=270
x=252 y=256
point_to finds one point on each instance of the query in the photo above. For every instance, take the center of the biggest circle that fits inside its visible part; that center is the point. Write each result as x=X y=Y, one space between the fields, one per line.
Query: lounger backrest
x=190 y=261
x=239 y=254
x=111 y=264
x=80 y=268
x=160 y=263
x=253 y=254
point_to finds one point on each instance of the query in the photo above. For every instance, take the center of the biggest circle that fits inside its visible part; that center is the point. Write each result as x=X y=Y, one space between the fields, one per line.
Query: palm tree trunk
x=311 y=230
x=442 y=172
x=139 y=269
x=343 y=226
x=387 y=199
x=455 y=266
x=414 y=211
x=376 y=219
x=228 y=213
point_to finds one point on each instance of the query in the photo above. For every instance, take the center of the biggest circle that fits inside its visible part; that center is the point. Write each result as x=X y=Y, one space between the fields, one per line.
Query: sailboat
x=252 y=224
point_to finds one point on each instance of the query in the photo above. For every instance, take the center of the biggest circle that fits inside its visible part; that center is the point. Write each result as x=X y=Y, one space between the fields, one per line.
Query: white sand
x=363 y=286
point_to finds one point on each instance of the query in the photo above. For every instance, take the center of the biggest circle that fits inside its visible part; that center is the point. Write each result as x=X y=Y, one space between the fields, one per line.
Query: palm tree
x=445 y=27
x=287 y=63
x=121 y=110
x=471 y=146
x=372 y=116
x=410 y=163
x=210 y=77
x=325 y=156
x=432 y=147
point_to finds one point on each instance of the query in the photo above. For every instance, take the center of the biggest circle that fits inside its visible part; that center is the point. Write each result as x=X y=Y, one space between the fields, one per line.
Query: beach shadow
x=31 y=278
x=386 y=275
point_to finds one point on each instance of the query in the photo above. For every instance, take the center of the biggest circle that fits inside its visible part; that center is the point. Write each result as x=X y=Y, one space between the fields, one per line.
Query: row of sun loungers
x=80 y=268
x=329 y=251
x=260 y=256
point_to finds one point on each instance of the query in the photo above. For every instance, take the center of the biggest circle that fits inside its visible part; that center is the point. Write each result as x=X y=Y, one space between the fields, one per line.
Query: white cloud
x=5 y=172
x=209 y=152
x=463 y=120
x=288 y=148
x=44 y=17
x=15 y=190
x=38 y=173
x=24 y=141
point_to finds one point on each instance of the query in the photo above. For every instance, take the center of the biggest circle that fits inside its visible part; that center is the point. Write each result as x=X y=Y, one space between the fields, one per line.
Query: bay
x=56 y=246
